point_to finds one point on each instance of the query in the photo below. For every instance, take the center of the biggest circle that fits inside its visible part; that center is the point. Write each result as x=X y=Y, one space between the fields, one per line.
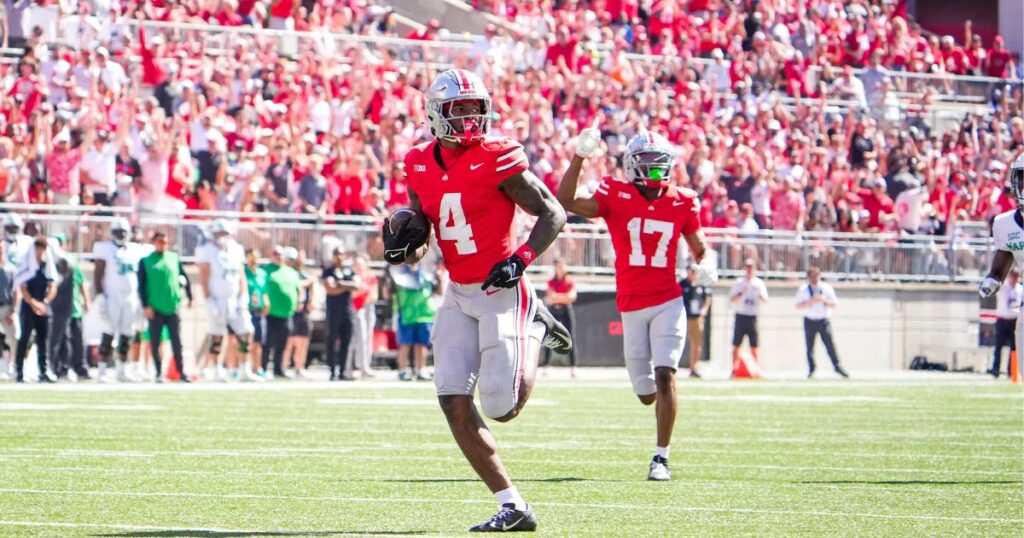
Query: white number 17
x=636 y=226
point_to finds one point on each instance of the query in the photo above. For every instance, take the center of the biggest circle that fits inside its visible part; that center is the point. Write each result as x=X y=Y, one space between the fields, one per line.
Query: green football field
x=921 y=456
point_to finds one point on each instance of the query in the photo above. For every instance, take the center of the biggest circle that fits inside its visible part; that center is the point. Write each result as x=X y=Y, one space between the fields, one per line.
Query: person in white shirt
x=16 y=243
x=908 y=208
x=222 y=276
x=817 y=299
x=116 y=278
x=1008 y=302
x=746 y=295
x=110 y=73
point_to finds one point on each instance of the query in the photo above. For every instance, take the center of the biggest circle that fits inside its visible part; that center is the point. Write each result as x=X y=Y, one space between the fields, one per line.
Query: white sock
x=103 y=368
x=510 y=496
x=662 y=451
x=120 y=368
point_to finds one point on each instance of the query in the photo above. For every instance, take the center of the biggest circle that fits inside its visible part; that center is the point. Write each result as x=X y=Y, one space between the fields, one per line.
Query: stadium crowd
x=98 y=112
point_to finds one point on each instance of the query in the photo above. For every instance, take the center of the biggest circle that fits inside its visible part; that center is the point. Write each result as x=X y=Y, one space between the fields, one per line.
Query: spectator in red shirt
x=878 y=205
x=563 y=50
x=427 y=33
x=998 y=61
x=351 y=188
x=560 y=297
x=27 y=90
x=398 y=189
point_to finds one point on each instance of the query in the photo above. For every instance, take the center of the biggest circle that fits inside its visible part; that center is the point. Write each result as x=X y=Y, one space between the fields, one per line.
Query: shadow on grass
x=198 y=533
x=913 y=482
x=454 y=480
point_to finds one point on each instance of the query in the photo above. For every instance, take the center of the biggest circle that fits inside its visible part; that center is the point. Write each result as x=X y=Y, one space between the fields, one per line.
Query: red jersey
x=472 y=218
x=645 y=236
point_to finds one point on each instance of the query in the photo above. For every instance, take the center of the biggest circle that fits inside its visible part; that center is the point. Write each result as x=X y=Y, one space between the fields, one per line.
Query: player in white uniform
x=1008 y=233
x=116 y=278
x=16 y=243
x=222 y=276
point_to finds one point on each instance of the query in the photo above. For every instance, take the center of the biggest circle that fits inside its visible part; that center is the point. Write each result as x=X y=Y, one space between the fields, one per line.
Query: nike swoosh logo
x=492 y=292
x=506 y=526
x=475 y=166
x=678 y=203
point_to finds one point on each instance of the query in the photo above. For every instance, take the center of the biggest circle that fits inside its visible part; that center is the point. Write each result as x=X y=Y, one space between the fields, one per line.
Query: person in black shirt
x=37 y=279
x=339 y=282
x=697 y=300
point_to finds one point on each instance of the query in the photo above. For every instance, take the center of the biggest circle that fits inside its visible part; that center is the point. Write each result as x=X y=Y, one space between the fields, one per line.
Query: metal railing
x=221 y=40
x=962 y=257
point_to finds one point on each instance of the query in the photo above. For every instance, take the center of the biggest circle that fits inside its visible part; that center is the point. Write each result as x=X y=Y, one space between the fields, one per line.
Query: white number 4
x=636 y=226
x=459 y=230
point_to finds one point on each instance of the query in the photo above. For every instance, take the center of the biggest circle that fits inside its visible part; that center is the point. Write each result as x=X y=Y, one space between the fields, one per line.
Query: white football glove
x=989 y=286
x=707 y=271
x=588 y=142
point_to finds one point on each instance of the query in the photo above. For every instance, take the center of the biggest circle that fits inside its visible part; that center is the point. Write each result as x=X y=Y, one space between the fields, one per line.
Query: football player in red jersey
x=490 y=326
x=645 y=218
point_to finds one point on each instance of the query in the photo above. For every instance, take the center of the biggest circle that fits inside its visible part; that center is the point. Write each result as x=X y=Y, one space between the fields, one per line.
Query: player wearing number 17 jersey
x=645 y=218
x=468 y=185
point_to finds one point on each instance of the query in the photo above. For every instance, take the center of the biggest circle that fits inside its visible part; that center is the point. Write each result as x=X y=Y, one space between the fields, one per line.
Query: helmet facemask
x=473 y=127
x=120 y=237
x=1016 y=184
x=650 y=169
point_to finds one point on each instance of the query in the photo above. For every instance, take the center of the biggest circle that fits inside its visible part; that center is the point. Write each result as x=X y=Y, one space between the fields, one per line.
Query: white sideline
x=599 y=506
x=989 y=488
x=350 y=454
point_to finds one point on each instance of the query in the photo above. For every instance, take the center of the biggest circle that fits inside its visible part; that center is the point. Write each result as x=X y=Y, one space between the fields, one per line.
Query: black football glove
x=399 y=244
x=506 y=273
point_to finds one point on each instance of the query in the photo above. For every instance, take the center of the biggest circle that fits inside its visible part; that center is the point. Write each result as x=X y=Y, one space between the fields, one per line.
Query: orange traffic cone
x=744 y=367
x=1014 y=369
x=172 y=370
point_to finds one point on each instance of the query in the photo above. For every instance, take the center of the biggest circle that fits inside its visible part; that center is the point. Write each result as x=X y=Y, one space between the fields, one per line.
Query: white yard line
x=570 y=446
x=597 y=506
x=351 y=454
x=181 y=531
x=39 y=406
x=909 y=489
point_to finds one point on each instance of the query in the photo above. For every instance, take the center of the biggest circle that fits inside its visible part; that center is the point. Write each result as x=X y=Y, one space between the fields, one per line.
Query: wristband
x=526 y=254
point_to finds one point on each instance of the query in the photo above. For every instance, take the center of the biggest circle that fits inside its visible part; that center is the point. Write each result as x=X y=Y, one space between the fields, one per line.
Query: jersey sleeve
x=603 y=196
x=101 y=251
x=413 y=163
x=691 y=212
x=507 y=156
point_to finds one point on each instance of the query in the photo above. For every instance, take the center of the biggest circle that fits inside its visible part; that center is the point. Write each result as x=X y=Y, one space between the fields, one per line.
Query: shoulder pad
x=686 y=192
x=497 y=144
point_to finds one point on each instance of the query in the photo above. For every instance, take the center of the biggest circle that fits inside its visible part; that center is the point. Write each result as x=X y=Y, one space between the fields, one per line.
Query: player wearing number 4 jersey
x=645 y=218
x=1008 y=233
x=487 y=331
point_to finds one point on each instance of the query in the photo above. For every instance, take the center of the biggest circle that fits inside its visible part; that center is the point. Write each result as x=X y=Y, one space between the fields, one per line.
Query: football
x=406 y=230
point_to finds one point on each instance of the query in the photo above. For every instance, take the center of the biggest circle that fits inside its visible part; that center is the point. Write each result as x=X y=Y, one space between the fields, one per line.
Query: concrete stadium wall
x=876 y=326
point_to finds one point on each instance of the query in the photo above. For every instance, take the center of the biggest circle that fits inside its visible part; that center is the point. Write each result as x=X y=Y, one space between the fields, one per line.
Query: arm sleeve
x=801 y=294
x=602 y=195
x=142 y=284
x=691 y=222
x=188 y=283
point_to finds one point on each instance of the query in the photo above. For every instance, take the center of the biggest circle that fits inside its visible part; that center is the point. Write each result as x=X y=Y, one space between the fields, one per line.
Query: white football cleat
x=659 y=469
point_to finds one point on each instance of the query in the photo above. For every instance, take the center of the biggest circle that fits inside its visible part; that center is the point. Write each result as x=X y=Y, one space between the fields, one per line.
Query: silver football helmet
x=1016 y=180
x=451 y=86
x=649 y=160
